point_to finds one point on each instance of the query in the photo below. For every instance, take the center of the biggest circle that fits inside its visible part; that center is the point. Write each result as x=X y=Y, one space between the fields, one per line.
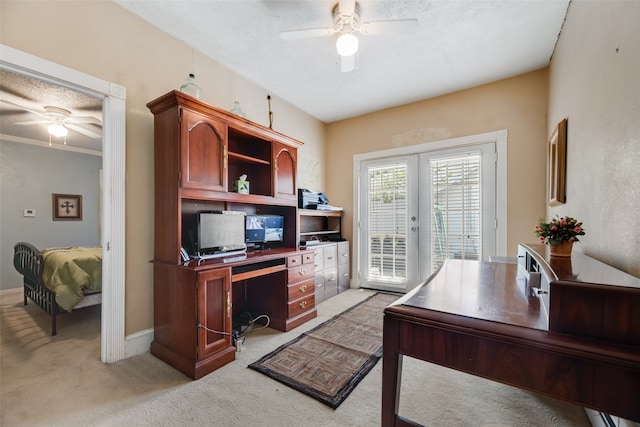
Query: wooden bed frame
x=29 y=262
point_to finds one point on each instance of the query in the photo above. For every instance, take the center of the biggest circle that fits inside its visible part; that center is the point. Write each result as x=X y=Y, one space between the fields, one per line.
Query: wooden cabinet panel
x=285 y=163
x=184 y=299
x=214 y=311
x=203 y=152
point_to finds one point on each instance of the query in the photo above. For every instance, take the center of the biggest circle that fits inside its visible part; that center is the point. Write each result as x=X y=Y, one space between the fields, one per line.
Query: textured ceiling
x=458 y=44
x=22 y=99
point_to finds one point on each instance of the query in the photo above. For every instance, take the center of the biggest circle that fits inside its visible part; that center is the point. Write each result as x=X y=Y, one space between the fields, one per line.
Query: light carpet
x=60 y=381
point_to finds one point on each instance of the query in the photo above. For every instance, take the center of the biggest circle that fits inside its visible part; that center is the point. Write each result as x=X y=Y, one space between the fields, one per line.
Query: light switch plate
x=29 y=213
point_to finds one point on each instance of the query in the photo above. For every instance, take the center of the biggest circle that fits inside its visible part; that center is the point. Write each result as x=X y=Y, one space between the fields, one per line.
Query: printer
x=311 y=200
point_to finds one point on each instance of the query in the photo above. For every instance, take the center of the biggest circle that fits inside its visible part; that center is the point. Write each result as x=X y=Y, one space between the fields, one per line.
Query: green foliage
x=558 y=230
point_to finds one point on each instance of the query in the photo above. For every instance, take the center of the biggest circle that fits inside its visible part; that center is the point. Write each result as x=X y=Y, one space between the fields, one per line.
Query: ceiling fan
x=60 y=120
x=346 y=19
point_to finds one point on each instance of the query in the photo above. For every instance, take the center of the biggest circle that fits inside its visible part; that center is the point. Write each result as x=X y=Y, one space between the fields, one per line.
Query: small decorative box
x=241 y=187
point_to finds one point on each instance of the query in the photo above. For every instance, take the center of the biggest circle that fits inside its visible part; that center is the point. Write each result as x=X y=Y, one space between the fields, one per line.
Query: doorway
x=113 y=196
x=431 y=202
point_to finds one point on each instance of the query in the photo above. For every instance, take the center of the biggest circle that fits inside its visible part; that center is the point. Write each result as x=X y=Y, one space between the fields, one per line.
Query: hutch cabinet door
x=214 y=311
x=284 y=161
x=203 y=152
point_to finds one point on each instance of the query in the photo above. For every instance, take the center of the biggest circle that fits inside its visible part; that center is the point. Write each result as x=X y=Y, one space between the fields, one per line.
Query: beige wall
x=104 y=40
x=591 y=83
x=595 y=84
x=517 y=104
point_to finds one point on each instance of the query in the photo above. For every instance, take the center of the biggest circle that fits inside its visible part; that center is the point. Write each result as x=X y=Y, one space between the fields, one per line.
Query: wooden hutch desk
x=485 y=319
x=199 y=151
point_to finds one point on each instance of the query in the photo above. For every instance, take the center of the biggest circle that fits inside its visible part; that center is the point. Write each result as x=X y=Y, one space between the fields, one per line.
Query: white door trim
x=499 y=137
x=113 y=199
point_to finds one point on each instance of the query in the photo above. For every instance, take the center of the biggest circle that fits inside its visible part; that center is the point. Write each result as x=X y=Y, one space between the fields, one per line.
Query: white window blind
x=387 y=219
x=456 y=208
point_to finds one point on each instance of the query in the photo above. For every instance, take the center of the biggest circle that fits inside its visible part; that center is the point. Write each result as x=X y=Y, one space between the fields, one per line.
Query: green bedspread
x=70 y=271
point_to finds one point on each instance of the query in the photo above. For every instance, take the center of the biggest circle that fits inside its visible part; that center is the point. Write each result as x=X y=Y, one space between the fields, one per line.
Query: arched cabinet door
x=203 y=152
x=285 y=163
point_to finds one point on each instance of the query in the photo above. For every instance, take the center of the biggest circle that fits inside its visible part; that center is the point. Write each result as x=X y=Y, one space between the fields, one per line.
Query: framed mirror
x=557 y=158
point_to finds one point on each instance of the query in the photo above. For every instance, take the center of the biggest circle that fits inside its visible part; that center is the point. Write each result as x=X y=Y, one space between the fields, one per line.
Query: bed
x=60 y=278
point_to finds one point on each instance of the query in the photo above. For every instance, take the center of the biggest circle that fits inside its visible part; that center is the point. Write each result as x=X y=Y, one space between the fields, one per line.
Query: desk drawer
x=300 y=289
x=330 y=283
x=294 y=261
x=343 y=277
x=300 y=306
x=297 y=274
x=318 y=260
x=343 y=253
x=330 y=256
x=308 y=257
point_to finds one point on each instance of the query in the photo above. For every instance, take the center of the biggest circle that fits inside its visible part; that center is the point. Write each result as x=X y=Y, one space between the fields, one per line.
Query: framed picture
x=67 y=207
x=557 y=164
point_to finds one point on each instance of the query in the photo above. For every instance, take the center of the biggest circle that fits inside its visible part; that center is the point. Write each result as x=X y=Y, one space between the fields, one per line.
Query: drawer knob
x=302 y=272
x=303 y=304
x=303 y=288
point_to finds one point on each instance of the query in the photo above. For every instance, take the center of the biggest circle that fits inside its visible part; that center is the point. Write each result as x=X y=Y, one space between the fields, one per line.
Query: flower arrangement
x=559 y=230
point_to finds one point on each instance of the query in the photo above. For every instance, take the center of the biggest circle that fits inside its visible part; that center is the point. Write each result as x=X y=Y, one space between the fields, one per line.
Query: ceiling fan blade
x=33 y=122
x=84 y=120
x=84 y=131
x=305 y=34
x=347 y=7
x=22 y=107
x=400 y=26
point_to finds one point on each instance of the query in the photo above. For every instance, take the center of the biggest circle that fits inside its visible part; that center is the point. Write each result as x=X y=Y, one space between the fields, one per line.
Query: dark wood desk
x=195 y=303
x=477 y=317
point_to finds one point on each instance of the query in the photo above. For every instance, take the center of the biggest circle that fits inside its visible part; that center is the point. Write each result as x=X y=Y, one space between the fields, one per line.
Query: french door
x=419 y=209
x=389 y=223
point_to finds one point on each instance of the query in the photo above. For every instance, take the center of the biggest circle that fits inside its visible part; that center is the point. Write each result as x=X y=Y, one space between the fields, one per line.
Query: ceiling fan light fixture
x=347 y=44
x=57 y=129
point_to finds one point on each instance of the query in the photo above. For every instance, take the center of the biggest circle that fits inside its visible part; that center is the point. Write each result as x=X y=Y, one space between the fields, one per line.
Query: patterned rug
x=329 y=361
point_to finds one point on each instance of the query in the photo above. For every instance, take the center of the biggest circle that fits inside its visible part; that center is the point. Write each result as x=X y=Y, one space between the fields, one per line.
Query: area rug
x=329 y=361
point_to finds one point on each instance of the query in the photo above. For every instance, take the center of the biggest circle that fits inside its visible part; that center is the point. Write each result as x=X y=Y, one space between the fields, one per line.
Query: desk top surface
x=479 y=290
x=582 y=268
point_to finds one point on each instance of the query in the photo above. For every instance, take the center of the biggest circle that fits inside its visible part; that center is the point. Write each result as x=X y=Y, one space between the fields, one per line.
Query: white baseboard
x=138 y=343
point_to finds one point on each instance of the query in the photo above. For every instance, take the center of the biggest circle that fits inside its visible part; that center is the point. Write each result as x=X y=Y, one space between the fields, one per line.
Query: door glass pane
x=387 y=219
x=456 y=208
